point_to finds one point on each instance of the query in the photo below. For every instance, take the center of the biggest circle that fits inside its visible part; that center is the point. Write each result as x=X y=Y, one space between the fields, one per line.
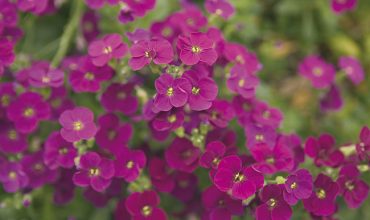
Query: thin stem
x=70 y=28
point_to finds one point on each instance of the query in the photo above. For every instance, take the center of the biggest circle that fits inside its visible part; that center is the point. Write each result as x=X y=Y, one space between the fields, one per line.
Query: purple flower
x=363 y=147
x=265 y=115
x=213 y=154
x=144 y=52
x=353 y=68
x=186 y=186
x=353 y=189
x=320 y=73
x=27 y=111
x=129 y=164
x=182 y=155
x=11 y=140
x=170 y=120
x=340 y=6
x=220 y=7
x=293 y=142
x=238 y=54
x=298 y=186
x=138 y=35
x=58 y=152
x=38 y=173
x=89 y=24
x=195 y=48
x=12 y=176
x=7 y=55
x=102 y=51
x=241 y=182
x=257 y=134
x=189 y=20
x=7 y=95
x=323 y=151
x=219 y=205
x=95 y=4
x=34 y=6
x=94 y=171
x=64 y=187
x=59 y=102
x=322 y=200
x=119 y=97
x=166 y=29
x=9 y=17
x=202 y=90
x=273 y=205
x=46 y=77
x=161 y=175
x=145 y=206
x=111 y=134
x=221 y=113
x=242 y=82
x=141 y=7
x=78 y=124
x=332 y=99
x=170 y=92
x=88 y=77
x=271 y=160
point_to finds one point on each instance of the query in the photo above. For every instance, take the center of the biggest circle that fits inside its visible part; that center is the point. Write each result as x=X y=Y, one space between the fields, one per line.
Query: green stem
x=70 y=28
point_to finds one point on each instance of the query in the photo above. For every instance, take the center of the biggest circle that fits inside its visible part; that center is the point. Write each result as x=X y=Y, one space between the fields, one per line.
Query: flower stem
x=69 y=30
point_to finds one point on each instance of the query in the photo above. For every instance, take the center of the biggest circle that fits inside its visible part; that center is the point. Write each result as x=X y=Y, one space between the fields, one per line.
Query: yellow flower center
x=321 y=194
x=241 y=83
x=218 y=11
x=147 y=54
x=349 y=185
x=215 y=161
x=195 y=90
x=12 y=175
x=317 y=71
x=5 y=100
x=196 y=49
x=272 y=203
x=270 y=160
x=166 y=31
x=12 y=135
x=170 y=91
x=293 y=185
x=77 y=125
x=171 y=118
x=146 y=210
x=107 y=50
x=56 y=103
x=130 y=164
x=63 y=151
x=28 y=112
x=94 y=172
x=259 y=137
x=121 y=95
x=239 y=177
x=240 y=59
x=45 y=79
x=89 y=76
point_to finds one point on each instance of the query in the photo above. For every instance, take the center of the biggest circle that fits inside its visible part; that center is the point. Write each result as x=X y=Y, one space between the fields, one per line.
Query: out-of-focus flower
x=320 y=73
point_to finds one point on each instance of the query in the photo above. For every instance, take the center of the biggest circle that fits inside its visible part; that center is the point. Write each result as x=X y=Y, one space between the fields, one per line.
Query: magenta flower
x=11 y=140
x=351 y=187
x=138 y=35
x=7 y=55
x=265 y=115
x=257 y=134
x=241 y=182
x=220 y=7
x=111 y=134
x=95 y=4
x=110 y=47
x=182 y=155
x=332 y=101
x=195 y=48
x=145 y=206
x=120 y=97
x=38 y=173
x=170 y=120
x=34 y=6
x=88 y=77
x=323 y=151
x=144 y=52
x=58 y=152
x=271 y=160
x=213 y=154
x=353 y=68
x=78 y=124
x=170 y=92
x=7 y=95
x=129 y=164
x=298 y=186
x=94 y=171
x=363 y=147
x=161 y=175
x=320 y=73
x=322 y=200
x=340 y=6
x=141 y=7
x=191 y=19
x=273 y=205
x=186 y=186
x=221 y=113
x=27 y=111
x=46 y=77
x=12 y=176
x=202 y=90
x=59 y=102
x=165 y=29
x=238 y=54
x=242 y=82
x=219 y=205
x=90 y=28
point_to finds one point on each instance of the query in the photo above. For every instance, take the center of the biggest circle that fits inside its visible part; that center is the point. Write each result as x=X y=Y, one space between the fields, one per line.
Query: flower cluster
x=160 y=113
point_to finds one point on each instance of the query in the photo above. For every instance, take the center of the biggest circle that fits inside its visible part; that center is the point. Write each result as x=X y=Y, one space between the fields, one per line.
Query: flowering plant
x=157 y=109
